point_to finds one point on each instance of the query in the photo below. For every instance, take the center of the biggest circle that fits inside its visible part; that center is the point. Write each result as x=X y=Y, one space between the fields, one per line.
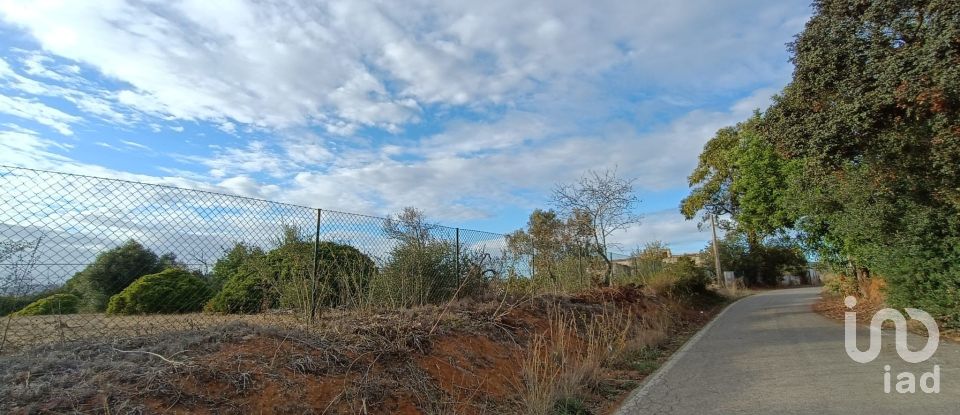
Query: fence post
x=316 y=270
x=458 y=257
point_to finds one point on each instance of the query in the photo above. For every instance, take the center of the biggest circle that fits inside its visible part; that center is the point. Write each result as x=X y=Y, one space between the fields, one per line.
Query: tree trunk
x=606 y=277
x=753 y=245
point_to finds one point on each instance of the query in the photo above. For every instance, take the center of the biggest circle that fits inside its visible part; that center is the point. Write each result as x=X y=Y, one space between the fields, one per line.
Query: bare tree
x=20 y=259
x=605 y=202
x=410 y=227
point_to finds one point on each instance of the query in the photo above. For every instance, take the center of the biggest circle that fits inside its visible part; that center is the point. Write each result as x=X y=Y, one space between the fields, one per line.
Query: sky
x=470 y=111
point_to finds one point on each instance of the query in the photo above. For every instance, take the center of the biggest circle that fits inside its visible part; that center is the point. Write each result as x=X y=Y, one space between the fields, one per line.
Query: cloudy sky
x=468 y=110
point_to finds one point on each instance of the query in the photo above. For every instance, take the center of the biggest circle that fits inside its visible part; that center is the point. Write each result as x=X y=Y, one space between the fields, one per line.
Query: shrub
x=233 y=262
x=242 y=287
x=345 y=272
x=53 y=304
x=682 y=278
x=417 y=274
x=253 y=280
x=170 y=291
x=10 y=304
x=841 y=284
x=243 y=293
x=112 y=272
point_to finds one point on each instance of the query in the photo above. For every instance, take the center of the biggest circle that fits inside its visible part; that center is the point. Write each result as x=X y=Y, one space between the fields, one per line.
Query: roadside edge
x=630 y=404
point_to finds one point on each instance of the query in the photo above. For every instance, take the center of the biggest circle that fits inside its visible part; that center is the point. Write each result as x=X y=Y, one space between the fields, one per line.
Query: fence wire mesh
x=87 y=257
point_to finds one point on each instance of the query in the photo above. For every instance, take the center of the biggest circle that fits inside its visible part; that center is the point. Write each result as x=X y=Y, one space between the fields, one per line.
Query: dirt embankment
x=471 y=358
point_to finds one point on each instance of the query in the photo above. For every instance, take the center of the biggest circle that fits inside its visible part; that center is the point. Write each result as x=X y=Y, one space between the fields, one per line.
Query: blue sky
x=471 y=111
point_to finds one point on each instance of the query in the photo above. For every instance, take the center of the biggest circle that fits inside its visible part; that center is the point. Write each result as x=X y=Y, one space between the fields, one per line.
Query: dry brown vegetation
x=546 y=354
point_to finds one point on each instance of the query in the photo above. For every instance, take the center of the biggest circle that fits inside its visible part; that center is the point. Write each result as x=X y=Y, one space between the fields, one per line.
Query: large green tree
x=114 y=270
x=741 y=177
x=872 y=112
x=860 y=153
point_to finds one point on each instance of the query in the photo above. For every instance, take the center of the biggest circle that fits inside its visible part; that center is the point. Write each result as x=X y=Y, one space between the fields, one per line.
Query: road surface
x=771 y=354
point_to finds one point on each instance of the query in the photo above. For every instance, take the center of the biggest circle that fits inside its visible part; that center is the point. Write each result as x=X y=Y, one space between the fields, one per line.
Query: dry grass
x=503 y=356
x=567 y=360
x=31 y=331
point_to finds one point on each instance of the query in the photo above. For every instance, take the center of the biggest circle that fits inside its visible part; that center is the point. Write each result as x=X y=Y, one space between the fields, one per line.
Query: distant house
x=668 y=258
x=695 y=257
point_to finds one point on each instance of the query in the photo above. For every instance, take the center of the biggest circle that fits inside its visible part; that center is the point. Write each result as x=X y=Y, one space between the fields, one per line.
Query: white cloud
x=135 y=145
x=513 y=97
x=347 y=63
x=668 y=226
x=38 y=112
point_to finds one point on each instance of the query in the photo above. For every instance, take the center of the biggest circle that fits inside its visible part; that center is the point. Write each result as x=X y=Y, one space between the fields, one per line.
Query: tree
x=872 y=115
x=762 y=264
x=253 y=280
x=422 y=267
x=20 y=259
x=739 y=175
x=711 y=180
x=410 y=227
x=238 y=283
x=111 y=272
x=605 y=202
x=543 y=241
x=859 y=154
x=648 y=261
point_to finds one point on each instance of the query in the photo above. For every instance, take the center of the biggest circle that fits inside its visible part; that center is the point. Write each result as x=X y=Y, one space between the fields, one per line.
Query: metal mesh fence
x=84 y=257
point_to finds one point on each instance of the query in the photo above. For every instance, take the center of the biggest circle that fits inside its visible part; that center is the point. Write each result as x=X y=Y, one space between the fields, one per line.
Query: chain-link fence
x=84 y=257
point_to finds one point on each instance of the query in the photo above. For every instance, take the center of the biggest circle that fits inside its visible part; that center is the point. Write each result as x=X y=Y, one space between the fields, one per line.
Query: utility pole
x=716 y=251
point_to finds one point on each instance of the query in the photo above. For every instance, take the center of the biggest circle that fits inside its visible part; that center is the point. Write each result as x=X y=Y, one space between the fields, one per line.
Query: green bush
x=54 y=304
x=244 y=292
x=253 y=280
x=345 y=272
x=112 y=272
x=417 y=274
x=10 y=304
x=238 y=287
x=682 y=278
x=170 y=291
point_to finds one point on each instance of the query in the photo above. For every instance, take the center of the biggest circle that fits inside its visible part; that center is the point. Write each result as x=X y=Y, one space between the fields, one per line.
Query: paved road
x=770 y=354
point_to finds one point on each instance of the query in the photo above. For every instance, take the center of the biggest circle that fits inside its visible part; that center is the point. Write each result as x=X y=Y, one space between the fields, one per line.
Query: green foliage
x=235 y=261
x=560 y=253
x=170 y=291
x=761 y=264
x=421 y=269
x=417 y=274
x=53 y=304
x=711 y=179
x=570 y=406
x=740 y=175
x=243 y=293
x=841 y=285
x=872 y=112
x=242 y=288
x=253 y=280
x=860 y=153
x=648 y=261
x=683 y=278
x=11 y=303
x=112 y=271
